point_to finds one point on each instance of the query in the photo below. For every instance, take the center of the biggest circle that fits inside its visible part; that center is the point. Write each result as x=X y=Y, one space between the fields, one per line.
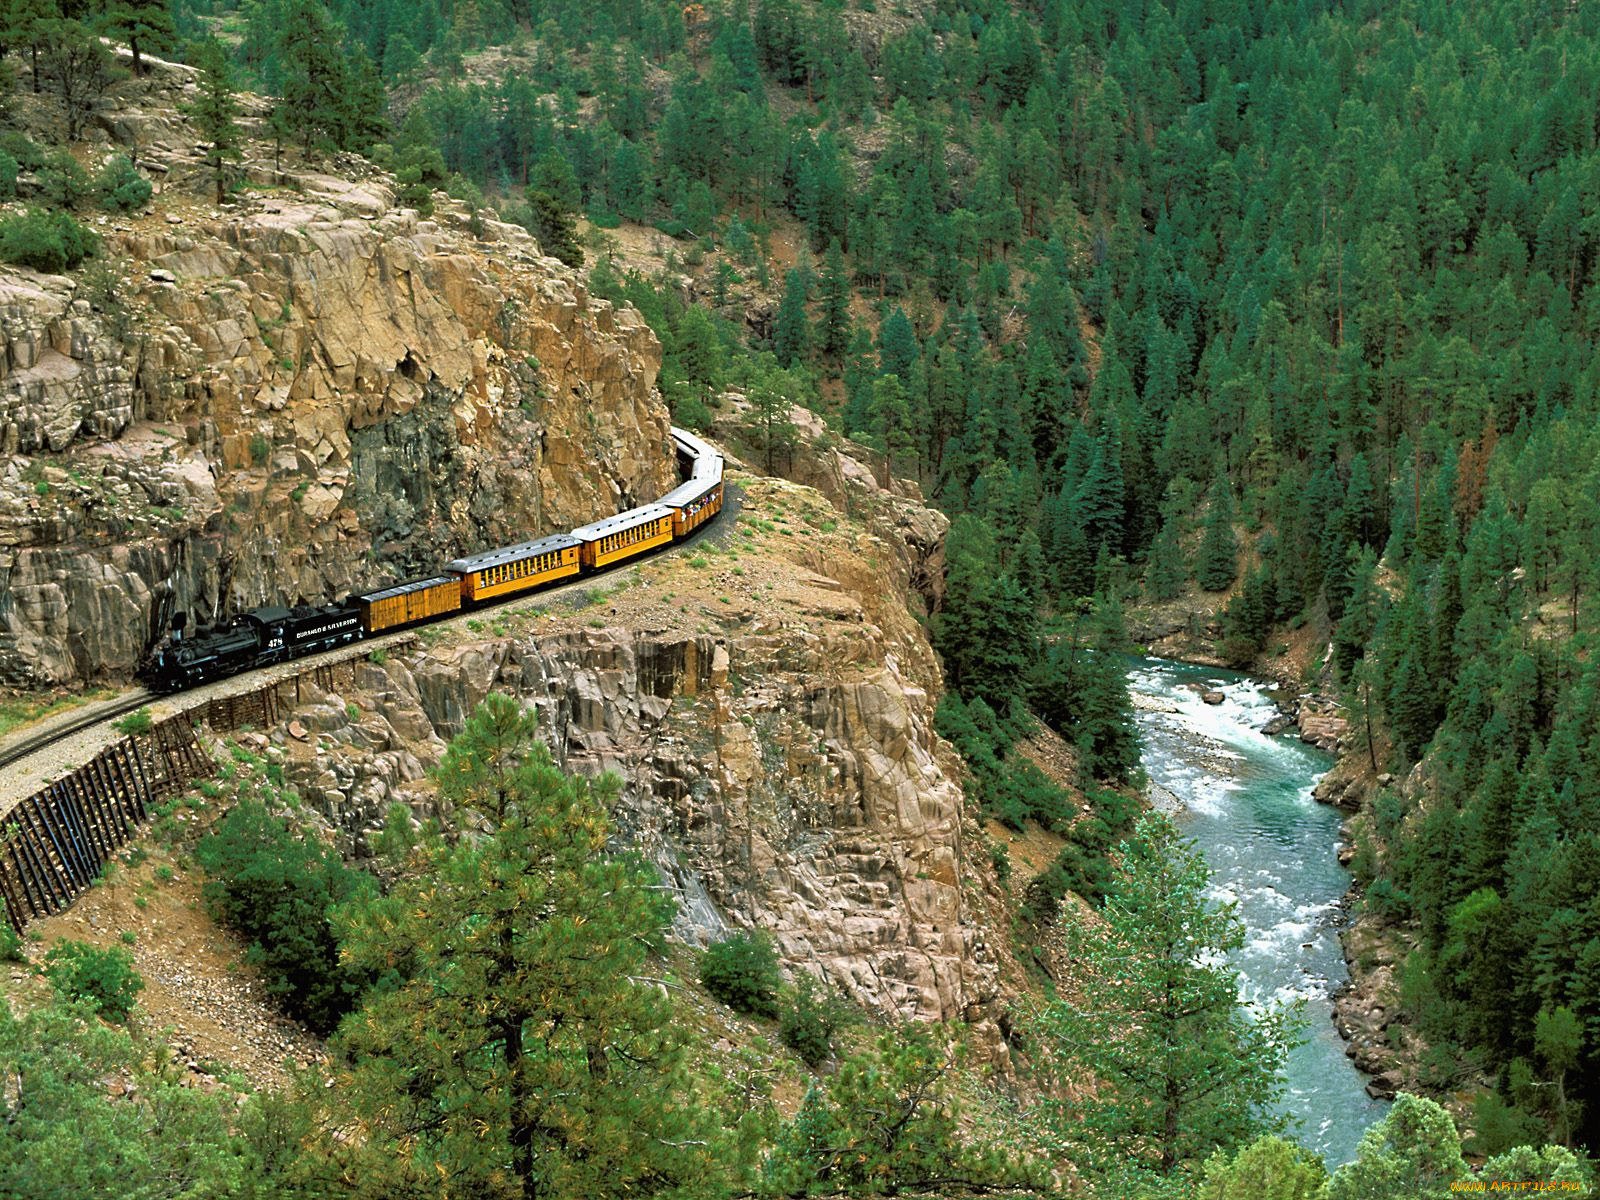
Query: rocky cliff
x=308 y=391
x=313 y=389
x=768 y=703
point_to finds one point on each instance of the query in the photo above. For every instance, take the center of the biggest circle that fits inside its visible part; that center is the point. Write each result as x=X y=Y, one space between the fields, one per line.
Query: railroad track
x=64 y=726
x=86 y=717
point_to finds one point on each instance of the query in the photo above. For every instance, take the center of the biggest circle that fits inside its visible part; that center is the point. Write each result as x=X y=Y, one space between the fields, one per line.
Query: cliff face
x=313 y=390
x=768 y=704
x=309 y=392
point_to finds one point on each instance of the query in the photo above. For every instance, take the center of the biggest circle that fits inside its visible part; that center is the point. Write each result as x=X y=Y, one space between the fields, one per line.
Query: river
x=1246 y=800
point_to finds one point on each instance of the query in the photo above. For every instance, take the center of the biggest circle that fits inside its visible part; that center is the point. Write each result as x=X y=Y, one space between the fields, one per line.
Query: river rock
x=1321 y=723
x=1212 y=697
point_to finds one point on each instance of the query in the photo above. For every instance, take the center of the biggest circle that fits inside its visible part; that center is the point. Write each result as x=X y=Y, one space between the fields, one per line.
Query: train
x=273 y=634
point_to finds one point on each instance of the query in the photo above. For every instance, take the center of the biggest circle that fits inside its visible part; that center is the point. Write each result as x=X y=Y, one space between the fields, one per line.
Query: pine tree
x=1413 y=1151
x=26 y=23
x=833 y=319
x=890 y=415
x=521 y=1054
x=1180 y=1069
x=791 y=329
x=80 y=66
x=146 y=25
x=1166 y=571
x=213 y=113
x=897 y=345
x=552 y=223
x=1098 y=503
x=858 y=376
x=771 y=397
x=890 y=1123
x=1218 y=560
x=332 y=97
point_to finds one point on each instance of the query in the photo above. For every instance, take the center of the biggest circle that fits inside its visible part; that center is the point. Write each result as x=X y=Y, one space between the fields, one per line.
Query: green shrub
x=105 y=978
x=120 y=186
x=11 y=949
x=9 y=170
x=809 y=1020
x=63 y=182
x=45 y=241
x=275 y=888
x=414 y=193
x=16 y=145
x=135 y=722
x=742 y=972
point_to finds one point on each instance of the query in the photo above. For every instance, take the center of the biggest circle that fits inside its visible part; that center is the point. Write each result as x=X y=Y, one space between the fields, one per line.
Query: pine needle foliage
x=528 y=1052
x=1181 y=1069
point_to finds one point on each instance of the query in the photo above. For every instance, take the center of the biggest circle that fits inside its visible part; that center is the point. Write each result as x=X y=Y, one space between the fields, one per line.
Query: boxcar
x=624 y=535
x=415 y=600
x=516 y=568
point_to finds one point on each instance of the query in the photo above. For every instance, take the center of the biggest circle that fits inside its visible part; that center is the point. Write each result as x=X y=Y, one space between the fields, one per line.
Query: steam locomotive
x=273 y=634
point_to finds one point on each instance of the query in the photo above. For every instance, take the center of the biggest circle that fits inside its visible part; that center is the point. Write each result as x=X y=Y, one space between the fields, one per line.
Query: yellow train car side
x=519 y=574
x=625 y=543
x=689 y=517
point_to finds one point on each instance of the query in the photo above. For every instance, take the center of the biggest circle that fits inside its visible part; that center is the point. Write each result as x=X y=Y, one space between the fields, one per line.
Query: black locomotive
x=258 y=638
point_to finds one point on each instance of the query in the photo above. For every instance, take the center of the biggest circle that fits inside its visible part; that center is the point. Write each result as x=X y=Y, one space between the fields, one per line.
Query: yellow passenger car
x=624 y=535
x=693 y=504
x=415 y=600
x=516 y=568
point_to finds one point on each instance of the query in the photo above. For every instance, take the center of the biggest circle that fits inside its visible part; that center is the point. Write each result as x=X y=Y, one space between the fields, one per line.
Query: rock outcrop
x=779 y=760
x=310 y=392
x=851 y=477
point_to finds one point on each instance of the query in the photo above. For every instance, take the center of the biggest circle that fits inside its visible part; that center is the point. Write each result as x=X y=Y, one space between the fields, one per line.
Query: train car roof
x=410 y=585
x=687 y=493
x=506 y=554
x=622 y=522
x=694 y=445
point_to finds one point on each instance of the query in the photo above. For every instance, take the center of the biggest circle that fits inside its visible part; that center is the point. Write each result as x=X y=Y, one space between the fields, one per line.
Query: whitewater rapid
x=1244 y=796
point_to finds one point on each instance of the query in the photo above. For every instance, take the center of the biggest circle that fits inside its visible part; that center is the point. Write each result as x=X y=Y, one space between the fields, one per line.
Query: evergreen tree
x=897 y=345
x=889 y=1123
x=153 y=1136
x=146 y=25
x=770 y=403
x=1269 y=1168
x=79 y=65
x=791 y=330
x=1166 y=572
x=213 y=113
x=332 y=98
x=520 y=1053
x=550 y=222
x=1181 y=1070
x=1098 y=503
x=833 y=321
x=1218 y=560
x=1413 y=1151
x=890 y=416
x=26 y=24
